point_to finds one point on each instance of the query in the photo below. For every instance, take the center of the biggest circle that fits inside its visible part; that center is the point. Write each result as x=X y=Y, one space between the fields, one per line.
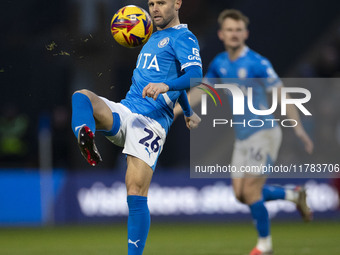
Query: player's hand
x=154 y=89
x=308 y=143
x=192 y=121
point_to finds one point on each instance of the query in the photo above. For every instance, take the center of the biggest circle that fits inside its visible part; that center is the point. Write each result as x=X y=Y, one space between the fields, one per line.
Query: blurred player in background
x=254 y=146
x=140 y=122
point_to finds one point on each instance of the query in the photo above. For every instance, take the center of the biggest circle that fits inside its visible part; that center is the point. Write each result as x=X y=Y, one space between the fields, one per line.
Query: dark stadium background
x=48 y=49
x=301 y=39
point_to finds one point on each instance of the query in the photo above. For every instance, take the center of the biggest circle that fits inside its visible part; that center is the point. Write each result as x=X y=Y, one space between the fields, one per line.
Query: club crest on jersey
x=162 y=43
x=242 y=73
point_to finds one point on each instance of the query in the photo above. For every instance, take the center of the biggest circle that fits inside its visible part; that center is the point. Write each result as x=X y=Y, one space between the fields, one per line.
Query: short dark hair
x=232 y=14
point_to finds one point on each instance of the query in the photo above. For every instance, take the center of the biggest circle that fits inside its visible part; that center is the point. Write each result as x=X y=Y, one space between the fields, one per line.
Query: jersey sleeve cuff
x=188 y=113
x=191 y=64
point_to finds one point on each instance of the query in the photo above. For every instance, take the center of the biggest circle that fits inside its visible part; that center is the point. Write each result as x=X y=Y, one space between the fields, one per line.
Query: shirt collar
x=244 y=51
x=180 y=26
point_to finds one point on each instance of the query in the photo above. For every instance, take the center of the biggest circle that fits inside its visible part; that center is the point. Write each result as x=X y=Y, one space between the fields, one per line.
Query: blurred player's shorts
x=258 y=150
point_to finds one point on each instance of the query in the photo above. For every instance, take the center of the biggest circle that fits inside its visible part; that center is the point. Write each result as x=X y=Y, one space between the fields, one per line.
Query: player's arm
x=195 y=94
x=292 y=113
x=191 y=118
x=184 y=104
x=181 y=83
x=270 y=80
x=194 y=97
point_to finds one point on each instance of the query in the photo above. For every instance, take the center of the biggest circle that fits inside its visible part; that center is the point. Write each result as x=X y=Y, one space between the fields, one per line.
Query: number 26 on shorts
x=153 y=144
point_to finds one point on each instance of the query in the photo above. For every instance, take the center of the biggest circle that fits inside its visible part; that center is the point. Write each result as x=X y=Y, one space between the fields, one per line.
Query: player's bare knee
x=243 y=197
x=251 y=196
x=83 y=91
x=239 y=196
x=135 y=190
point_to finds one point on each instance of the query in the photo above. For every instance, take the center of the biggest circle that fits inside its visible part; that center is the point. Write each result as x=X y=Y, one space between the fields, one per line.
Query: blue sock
x=261 y=218
x=138 y=224
x=273 y=193
x=82 y=113
x=115 y=127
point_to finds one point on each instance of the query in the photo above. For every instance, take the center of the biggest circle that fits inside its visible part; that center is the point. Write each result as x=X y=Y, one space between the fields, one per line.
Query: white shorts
x=141 y=136
x=260 y=149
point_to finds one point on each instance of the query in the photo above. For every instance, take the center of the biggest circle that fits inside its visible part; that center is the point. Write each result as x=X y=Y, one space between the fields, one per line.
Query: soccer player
x=254 y=146
x=140 y=122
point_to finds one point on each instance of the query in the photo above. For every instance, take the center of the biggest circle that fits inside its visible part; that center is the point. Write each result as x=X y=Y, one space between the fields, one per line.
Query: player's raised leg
x=138 y=178
x=297 y=195
x=271 y=192
x=89 y=112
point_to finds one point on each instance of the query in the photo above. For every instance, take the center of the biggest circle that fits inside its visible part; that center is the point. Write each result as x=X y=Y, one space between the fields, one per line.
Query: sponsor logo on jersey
x=162 y=43
x=195 y=55
x=148 y=61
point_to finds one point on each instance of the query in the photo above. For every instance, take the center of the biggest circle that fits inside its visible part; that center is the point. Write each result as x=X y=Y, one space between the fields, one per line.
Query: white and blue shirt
x=163 y=58
x=249 y=65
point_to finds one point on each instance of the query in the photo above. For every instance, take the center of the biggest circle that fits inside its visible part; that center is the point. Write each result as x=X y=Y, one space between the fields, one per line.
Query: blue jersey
x=163 y=58
x=249 y=65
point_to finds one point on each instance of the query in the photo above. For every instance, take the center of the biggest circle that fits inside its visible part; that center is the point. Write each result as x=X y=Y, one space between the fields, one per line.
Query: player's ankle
x=264 y=244
x=292 y=195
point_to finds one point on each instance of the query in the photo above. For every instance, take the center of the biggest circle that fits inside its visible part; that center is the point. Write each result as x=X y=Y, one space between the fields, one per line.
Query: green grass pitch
x=174 y=238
